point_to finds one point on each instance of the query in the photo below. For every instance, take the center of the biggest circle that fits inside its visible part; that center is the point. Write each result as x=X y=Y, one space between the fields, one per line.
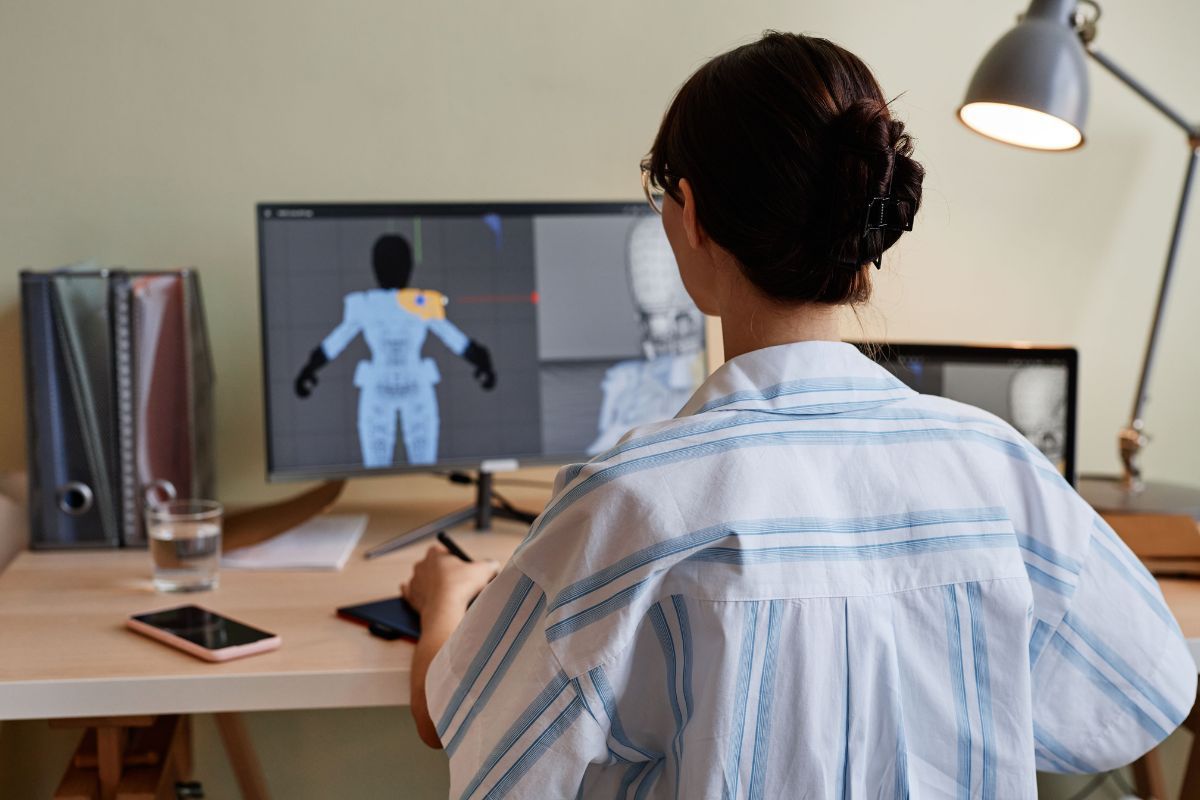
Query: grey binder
x=71 y=450
x=119 y=396
x=167 y=417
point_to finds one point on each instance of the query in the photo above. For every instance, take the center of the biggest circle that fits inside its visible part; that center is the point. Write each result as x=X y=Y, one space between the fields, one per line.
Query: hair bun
x=871 y=158
x=785 y=142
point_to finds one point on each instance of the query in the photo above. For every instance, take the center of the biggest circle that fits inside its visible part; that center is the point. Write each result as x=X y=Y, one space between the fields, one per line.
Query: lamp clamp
x=1084 y=23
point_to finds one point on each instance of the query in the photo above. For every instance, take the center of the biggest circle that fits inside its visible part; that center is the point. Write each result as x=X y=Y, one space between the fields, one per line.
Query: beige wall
x=142 y=133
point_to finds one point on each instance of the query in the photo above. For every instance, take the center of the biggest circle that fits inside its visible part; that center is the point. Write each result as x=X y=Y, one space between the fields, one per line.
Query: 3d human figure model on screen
x=653 y=388
x=395 y=320
x=1037 y=397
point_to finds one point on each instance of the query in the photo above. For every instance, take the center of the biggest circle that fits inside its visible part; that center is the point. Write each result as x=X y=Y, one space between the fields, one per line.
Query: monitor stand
x=484 y=509
x=250 y=526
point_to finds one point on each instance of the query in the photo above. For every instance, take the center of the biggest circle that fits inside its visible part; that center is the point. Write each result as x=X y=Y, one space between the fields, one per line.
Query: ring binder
x=119 y=401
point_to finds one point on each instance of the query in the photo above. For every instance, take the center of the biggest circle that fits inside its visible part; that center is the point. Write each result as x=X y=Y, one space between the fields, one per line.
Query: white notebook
x=322 y=543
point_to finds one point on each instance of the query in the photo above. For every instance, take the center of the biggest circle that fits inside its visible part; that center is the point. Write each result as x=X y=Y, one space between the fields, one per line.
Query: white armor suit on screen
x=638 y=391
x=395 y=322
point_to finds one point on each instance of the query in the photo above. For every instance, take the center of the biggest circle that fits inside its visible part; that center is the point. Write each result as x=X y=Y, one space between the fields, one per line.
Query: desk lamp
x=1031 y=90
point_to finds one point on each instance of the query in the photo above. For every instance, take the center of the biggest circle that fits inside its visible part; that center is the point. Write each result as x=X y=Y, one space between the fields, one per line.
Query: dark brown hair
x=785 y=142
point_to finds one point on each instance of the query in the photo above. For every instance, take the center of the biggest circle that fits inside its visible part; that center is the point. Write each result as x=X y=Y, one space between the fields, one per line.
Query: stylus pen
x=454 y=549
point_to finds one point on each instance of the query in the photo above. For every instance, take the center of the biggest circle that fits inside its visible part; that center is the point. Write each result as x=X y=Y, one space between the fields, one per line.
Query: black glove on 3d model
x=481 y=359
x=307 y=379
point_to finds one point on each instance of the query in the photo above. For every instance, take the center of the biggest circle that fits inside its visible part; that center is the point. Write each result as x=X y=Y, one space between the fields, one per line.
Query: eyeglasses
x=654 y=192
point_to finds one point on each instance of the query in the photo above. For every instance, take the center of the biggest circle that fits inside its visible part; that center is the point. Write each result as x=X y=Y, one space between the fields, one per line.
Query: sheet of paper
x=322 y=543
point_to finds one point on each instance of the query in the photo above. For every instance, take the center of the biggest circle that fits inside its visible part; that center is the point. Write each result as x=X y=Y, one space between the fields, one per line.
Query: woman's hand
x=442 y=583
x=440 y=589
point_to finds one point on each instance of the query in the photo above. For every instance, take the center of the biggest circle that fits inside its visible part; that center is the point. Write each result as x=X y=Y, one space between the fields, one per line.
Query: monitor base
x=253 y=525
x=485 y=508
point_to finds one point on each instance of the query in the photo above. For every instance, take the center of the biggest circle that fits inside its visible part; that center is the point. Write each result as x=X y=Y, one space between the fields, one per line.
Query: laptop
x=1033 y=388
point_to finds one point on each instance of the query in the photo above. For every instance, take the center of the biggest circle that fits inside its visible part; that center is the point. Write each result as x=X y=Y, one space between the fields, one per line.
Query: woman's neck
x=751 y=321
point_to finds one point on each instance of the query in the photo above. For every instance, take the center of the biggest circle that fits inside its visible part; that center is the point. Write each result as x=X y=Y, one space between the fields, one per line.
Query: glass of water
x=185 y=542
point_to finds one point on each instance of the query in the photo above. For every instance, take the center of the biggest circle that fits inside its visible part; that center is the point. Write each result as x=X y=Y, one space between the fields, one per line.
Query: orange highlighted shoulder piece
x=424 y=303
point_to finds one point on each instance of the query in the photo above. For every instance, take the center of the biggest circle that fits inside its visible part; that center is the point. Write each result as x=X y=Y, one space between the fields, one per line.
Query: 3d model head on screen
x=393 y=262
x=654 y=387
x=671 y=323
x=1038 y=399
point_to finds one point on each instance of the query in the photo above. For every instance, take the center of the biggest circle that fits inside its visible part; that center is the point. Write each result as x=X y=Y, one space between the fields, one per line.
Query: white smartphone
x=203 y=633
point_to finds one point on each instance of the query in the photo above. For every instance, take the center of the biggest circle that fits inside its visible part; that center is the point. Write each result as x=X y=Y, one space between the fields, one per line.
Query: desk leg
x=1147 y=770
x=243 y=759
x=1191 y=775
x=1148 y=777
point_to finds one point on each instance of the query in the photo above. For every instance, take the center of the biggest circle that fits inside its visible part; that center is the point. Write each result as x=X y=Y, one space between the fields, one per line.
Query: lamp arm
x=1192 y=130
x=1132 y=439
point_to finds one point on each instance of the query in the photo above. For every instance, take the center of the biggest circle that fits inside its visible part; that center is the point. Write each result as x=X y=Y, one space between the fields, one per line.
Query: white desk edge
x=202 y=693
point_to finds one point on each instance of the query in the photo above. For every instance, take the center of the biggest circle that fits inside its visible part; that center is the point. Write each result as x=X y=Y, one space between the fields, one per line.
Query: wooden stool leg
x=242 y=757
x=127 y=758
x=110 y=750
x=1148 y=777
x=1191 y=775
x=184 y=753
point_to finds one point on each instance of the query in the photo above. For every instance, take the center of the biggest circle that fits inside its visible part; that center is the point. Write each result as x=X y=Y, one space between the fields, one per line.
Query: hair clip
x=883 y=214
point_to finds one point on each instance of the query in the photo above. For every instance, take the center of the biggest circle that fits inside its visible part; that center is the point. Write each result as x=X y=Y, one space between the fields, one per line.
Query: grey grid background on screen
x=309 y=267
x=586 y=321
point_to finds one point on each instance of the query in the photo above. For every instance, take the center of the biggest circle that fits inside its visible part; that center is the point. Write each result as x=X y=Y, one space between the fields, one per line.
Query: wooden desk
x=65 y=653
x=1183 y=596
x=64 y=650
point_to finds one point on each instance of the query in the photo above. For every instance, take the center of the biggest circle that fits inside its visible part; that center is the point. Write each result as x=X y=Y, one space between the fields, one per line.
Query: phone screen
x=203 y=627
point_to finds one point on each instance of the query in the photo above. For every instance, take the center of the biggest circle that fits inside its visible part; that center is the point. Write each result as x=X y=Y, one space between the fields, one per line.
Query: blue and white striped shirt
x=815 y=583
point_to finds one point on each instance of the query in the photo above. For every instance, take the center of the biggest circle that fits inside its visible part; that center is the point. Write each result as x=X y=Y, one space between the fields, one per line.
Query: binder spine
x=131 y=518
x=37 y=358
x=64 y=466
x=201 y=379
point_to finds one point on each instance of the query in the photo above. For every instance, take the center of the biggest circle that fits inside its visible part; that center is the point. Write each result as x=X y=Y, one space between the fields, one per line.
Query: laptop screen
x=1031 y=388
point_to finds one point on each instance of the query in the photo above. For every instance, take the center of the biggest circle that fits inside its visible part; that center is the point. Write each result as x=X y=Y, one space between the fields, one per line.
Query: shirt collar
x=813 y=377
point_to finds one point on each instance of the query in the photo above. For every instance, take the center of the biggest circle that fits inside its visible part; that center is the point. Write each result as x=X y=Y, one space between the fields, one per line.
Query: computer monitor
x=1032 y=388
x=437 y=335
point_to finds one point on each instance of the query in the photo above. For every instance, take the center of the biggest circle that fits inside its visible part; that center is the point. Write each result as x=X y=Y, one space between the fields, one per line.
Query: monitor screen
x=418 y=336
x=1031 y=388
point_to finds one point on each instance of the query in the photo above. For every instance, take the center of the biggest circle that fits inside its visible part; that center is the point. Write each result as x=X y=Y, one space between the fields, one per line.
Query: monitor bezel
x=265 y=211
x=1001 y=353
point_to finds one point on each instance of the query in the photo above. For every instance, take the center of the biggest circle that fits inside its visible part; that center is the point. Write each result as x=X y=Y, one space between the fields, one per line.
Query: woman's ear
x=691 y=225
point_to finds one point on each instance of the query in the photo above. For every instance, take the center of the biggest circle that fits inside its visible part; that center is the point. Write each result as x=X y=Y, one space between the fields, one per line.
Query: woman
x=813 y=582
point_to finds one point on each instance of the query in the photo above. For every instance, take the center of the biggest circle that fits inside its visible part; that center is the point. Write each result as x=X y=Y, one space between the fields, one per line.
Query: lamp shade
x=1031 y=89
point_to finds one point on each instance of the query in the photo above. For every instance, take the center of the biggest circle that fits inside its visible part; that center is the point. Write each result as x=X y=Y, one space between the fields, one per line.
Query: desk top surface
x=65 y=651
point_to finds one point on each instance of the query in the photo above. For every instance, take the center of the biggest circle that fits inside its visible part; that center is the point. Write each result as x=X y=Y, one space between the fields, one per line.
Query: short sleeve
x=1114 y=676
x=512 y=722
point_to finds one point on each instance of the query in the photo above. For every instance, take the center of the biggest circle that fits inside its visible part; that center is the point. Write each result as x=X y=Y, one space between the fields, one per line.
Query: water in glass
x=186 y=547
